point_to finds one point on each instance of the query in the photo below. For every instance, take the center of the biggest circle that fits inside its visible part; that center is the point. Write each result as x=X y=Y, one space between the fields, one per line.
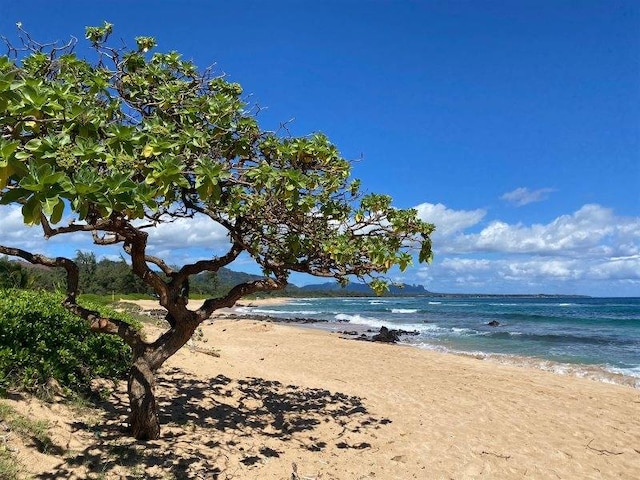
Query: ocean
x=598 y=338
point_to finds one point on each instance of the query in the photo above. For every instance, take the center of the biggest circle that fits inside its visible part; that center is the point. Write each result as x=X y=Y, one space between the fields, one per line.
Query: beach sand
x=195 y=304
x=279 y=395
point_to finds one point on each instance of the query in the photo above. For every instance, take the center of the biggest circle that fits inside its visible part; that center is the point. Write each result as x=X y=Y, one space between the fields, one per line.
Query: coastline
x=435 y=415
x=195 y=304
x=267 y=396
x=245 y=309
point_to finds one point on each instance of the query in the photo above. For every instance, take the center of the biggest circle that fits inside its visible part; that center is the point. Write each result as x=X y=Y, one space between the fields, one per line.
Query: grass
x=9 y=467
x=35 y=430
x=113 y=298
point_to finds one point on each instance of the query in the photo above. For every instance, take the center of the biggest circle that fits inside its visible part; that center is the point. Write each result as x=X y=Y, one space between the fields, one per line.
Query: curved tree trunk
x=144 y=421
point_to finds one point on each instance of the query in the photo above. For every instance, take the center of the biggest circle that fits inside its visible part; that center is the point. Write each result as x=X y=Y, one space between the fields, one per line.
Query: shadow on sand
x=217 y=428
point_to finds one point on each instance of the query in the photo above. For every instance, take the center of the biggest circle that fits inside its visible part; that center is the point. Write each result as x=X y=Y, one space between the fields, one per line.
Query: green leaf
x=5 y=173
x=58 y=211
x=49 y=204
x=33 y=145
x=378 y=286
x=32 y=184
x=13 y=195
x=7 y=148
x=31 y=211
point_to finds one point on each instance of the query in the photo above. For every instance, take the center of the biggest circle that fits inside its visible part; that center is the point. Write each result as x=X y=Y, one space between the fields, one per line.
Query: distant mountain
x=225 y=279
x=231 y=277
x=228 y=278
x=362 y=289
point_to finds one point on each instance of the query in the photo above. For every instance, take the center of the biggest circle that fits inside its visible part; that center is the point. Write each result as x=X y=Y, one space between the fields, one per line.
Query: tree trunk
x=144 y=410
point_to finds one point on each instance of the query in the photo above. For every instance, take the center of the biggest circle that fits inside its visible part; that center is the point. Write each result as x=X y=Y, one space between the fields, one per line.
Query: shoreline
x=448 y=415
x=594 y=372
x=249 y=399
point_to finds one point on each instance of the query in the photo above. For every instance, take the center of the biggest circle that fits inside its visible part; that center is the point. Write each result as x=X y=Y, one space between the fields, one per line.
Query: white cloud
x=591 y=231
x=14 y=233
x=448 y=221
x=169 y=239
x=618 y=268
x=591 y=251
x=524 y=274
x=523 y=196
x=185 y=233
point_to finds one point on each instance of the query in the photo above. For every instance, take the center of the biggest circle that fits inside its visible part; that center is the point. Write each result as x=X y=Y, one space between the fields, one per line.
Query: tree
x=13 y=275
x=130 y=140
x=87 y=264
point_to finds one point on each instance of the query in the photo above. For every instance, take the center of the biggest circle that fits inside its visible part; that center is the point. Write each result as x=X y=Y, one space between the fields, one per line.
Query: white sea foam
x=488 y=334
x=435 y=303
x=305 y=312
x=426 y=327
x=404 y=310
x=631 y=371
x=359 y=319
x=462 y=331
x=376 y=323
x=600 y=373
x=242 y=310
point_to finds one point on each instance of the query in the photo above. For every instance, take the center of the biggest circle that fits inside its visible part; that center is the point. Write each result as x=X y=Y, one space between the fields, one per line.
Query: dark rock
x=494 y=323
x=348 y=332
x=267 y=318
x=407 y=332
x=385 y=335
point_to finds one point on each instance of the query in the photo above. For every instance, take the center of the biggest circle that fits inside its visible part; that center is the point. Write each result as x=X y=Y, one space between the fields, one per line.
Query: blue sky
x=512 y=125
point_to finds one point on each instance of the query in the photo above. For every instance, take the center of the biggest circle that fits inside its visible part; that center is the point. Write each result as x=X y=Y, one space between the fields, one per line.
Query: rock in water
x=386 y=335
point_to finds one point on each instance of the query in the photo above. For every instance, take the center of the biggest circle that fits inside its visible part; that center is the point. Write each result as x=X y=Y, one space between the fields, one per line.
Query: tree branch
x=106 y=240
x=101 y=324
x=97 y=322
x=135 y=245
x=263 y=285
x=62 y=262
x=214 y=264
x=49 y=231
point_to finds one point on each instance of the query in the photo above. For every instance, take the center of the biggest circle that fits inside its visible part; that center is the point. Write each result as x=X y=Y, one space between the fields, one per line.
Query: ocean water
x=597 y=338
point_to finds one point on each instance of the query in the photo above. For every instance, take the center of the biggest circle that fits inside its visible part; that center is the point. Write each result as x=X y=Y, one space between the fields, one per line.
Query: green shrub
x=40 y=339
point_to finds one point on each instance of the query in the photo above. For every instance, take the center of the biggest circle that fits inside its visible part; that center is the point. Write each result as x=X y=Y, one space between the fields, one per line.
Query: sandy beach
x=257 y=400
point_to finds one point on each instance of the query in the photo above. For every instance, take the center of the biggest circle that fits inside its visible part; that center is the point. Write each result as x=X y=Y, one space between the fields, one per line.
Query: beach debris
x=499 y=455
x=602 y=451
x=295 y=476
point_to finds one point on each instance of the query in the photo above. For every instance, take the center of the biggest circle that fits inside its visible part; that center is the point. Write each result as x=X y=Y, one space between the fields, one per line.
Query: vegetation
x=26 y=427
x=37 y=431
x=13 y=275
x=40 y=340
x=133 y=139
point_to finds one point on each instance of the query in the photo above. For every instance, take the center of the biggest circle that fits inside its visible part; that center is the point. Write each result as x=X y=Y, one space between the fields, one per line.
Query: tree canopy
x=130 y=139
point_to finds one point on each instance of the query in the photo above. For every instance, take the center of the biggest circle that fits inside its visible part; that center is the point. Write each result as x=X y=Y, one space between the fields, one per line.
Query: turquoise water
x=594 y=337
